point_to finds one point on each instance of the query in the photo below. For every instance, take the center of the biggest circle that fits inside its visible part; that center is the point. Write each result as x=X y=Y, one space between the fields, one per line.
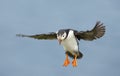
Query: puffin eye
x=63 y=35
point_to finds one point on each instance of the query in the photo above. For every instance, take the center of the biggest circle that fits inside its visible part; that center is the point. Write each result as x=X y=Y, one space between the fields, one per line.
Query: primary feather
x=49 y=36
x=97 y=32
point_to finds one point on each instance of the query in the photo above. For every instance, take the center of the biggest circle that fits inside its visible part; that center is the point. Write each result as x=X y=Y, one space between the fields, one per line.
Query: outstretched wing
x=97 y=32
x=49 y=36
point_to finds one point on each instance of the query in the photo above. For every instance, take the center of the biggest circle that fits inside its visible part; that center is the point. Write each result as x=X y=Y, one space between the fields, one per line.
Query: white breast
x=70 y=43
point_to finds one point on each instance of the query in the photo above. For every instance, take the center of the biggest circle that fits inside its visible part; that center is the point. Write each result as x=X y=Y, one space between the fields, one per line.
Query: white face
x=61 y=37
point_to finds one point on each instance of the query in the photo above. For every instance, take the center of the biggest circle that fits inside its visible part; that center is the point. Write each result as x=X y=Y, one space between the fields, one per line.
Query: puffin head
x=61 y=35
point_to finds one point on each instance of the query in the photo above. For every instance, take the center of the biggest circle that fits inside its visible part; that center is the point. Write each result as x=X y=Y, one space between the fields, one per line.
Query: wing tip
x=99 y=28
x=21 y=35
x=98 y=23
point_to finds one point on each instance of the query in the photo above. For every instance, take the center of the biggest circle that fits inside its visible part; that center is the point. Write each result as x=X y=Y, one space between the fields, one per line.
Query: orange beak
x=59 y=40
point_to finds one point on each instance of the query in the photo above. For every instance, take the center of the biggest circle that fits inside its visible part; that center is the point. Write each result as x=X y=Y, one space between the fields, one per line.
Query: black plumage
x=97 y=32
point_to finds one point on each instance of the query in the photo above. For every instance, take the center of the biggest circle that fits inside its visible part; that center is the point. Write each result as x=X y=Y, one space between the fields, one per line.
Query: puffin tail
x=79 y=54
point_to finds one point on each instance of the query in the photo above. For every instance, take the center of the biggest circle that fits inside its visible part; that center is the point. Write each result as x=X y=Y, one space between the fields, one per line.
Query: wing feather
x=49 y=36
x=97 y=32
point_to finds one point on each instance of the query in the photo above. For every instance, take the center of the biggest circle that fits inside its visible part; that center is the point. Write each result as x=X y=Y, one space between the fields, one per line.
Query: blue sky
x=30 y=57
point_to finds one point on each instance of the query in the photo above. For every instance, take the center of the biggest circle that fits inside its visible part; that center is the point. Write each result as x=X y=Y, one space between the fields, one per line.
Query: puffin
x=69 y=39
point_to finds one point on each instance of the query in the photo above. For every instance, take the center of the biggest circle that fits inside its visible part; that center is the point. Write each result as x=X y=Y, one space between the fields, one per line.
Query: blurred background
x=30 y=57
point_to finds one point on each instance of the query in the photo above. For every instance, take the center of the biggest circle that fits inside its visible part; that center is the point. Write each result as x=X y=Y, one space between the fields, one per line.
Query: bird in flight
x=69 y=38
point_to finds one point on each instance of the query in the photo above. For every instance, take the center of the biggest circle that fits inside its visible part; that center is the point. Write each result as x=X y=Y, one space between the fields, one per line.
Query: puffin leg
x=66 y=62
x=74 y=62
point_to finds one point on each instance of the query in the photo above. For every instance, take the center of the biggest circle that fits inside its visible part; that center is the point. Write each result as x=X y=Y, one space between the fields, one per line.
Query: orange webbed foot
x=74 y=62
x=66 y=62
